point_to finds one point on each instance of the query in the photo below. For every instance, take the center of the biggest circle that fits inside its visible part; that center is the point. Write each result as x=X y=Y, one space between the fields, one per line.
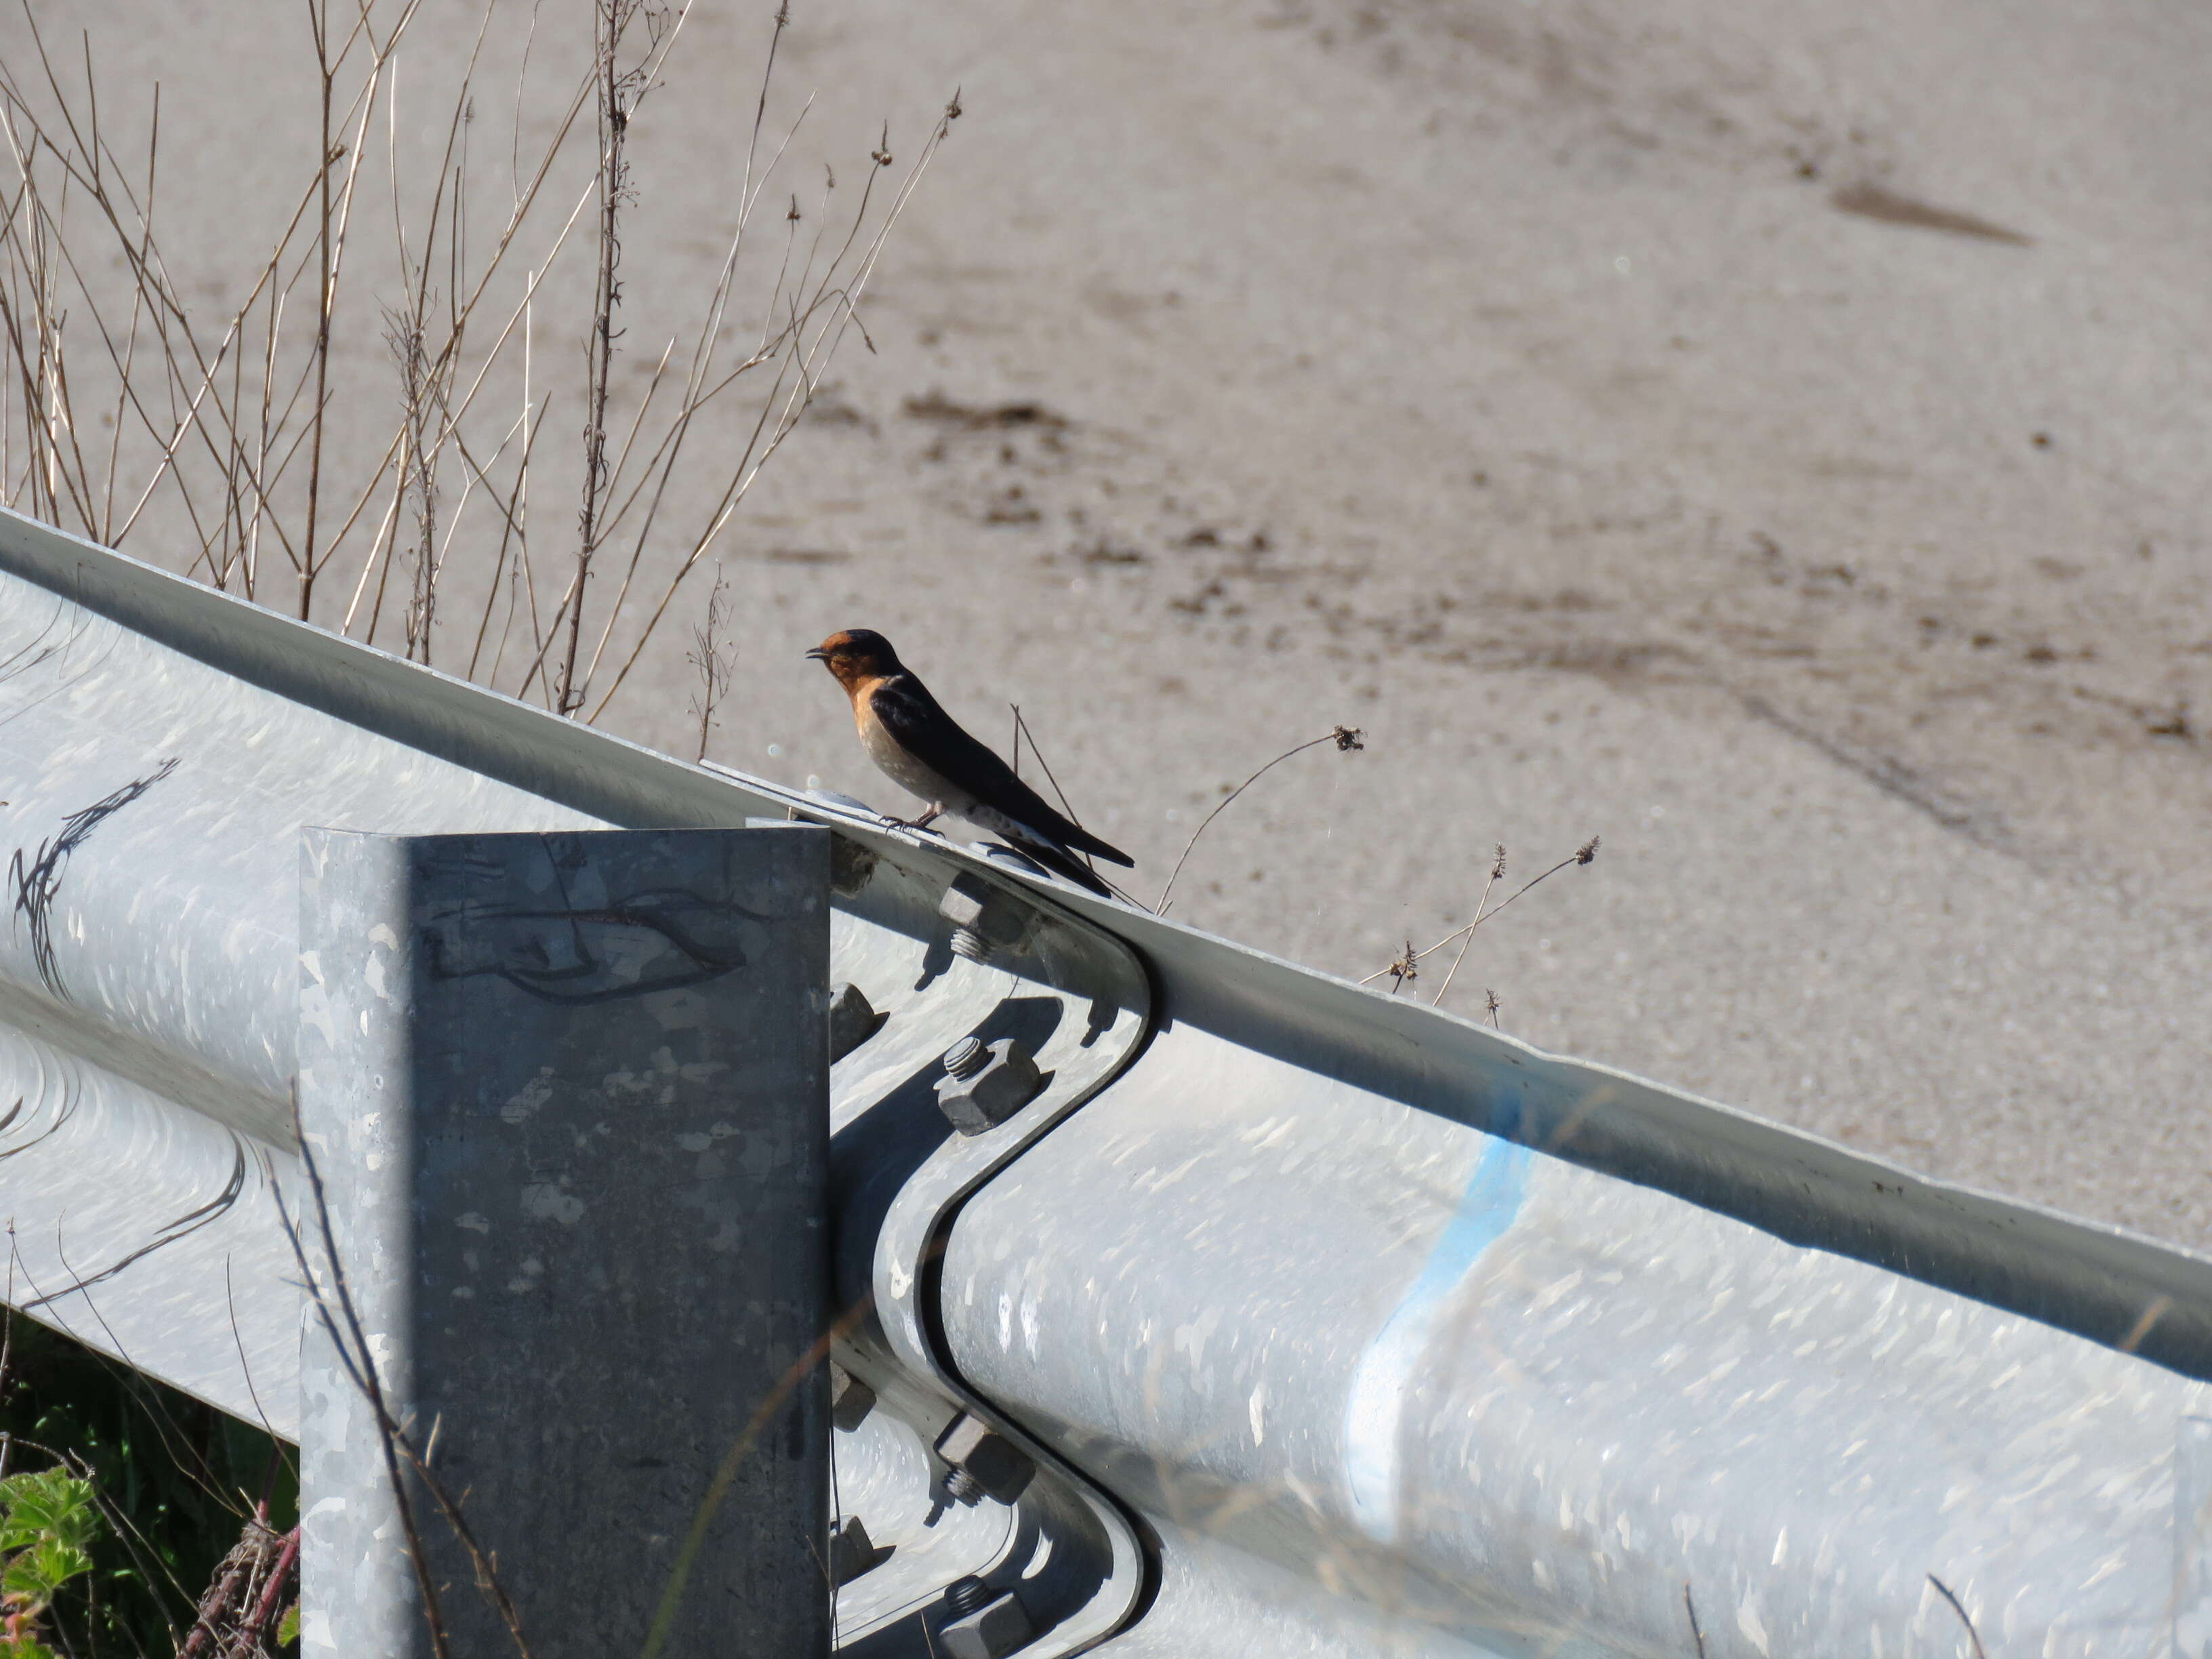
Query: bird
x=922 y=749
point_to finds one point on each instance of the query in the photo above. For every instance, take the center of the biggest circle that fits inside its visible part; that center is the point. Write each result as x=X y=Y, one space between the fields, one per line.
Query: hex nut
x=850 y=1399
x=991 y=1460
x=852 y=1021
x=852 y=1553
x=992 y=1092
x=985 y=921
x=999 y=1628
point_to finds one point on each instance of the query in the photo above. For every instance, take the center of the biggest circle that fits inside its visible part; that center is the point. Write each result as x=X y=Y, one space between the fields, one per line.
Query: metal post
x=566 y=1096
x=2192 y=1538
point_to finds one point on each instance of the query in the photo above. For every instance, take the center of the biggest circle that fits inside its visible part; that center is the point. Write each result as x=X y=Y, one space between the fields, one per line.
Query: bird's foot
x=921 y=822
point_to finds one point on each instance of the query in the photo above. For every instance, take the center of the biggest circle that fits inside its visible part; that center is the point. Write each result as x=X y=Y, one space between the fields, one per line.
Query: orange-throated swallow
x=922 y=749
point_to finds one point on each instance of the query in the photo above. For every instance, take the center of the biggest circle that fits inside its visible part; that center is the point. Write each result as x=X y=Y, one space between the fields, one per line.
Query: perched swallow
x=922 y=749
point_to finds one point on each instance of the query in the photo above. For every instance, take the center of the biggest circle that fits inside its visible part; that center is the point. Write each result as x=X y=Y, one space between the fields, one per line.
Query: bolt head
x=991 y=1632
x=852 y=1021
x=1004 y=1082
x=853 y=1553
x=850 y=1399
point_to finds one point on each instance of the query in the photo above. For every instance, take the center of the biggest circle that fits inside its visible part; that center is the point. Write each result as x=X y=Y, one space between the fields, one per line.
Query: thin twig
x=1958 y=1607
x=1344 y=737
x=272 y=1596
x=360 y=1366
x=732 y=1465
x=1022 y=730
x=1586 y=854
x=1497 y=871
x=1691 y=1608
x=715 y=658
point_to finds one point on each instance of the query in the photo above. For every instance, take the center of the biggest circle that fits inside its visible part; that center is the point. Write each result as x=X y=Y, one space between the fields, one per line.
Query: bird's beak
x=818 y=654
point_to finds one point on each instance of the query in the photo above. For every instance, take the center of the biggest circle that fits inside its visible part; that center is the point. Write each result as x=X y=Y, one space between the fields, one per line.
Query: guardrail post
x=2192 y=1538
x=566 y=1095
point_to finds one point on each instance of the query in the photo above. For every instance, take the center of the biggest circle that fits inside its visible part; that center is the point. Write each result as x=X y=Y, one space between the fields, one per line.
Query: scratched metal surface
x=1485 y=1390
x=1376 y=1211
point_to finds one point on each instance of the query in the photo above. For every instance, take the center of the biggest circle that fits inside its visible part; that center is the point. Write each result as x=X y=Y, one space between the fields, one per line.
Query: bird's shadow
x=936 y=961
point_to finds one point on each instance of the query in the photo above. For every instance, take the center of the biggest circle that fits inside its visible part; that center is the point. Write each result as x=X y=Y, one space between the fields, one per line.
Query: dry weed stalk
x=125 y=403
x=1973 y=1636
x=239 y=1609
x=322 y=1271
x=1496 y=875
x=1346 y=737
x=1406 y=967
x=713 y=657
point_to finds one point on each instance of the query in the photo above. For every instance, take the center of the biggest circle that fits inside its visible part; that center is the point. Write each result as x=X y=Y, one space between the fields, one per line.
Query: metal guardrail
x=1291 y=1318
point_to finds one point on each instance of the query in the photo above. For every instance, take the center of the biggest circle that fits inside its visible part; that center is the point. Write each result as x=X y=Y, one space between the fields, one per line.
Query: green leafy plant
x=174 y=1485
x=48 y=1522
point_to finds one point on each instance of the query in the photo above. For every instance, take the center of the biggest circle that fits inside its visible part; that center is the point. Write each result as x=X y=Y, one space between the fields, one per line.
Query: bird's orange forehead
x=856 y=656
x=856 y=645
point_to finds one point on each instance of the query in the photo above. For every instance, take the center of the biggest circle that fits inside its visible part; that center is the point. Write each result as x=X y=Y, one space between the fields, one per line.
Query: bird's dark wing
x=913 y=719
x=1066 y=864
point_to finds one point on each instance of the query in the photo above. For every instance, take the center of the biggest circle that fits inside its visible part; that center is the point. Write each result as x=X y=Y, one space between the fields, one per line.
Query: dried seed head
x=1497 y=870
x=1405 y=969
x=1588 y=850
x=1347 y=736
x=952 y=109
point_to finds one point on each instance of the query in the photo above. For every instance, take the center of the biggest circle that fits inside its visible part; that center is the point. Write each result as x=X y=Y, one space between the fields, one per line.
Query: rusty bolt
x=984 y=1085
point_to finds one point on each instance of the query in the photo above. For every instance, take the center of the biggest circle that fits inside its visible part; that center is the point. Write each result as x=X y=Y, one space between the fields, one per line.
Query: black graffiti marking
x=659 y=941
x=39 y=880
x=8 y=1122
x=180 y=1227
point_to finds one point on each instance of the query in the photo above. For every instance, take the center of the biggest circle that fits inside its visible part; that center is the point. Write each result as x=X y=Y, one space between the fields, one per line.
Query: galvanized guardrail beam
x=1326 y=1321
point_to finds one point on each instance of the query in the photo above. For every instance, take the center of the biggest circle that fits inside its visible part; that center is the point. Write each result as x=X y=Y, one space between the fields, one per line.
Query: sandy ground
x=1769 y=437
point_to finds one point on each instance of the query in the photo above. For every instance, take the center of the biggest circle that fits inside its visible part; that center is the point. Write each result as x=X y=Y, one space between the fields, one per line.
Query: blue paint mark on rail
x=1376 y=1403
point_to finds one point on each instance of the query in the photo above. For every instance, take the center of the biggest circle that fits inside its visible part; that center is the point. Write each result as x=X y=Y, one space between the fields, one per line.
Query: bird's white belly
x=909 y=774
